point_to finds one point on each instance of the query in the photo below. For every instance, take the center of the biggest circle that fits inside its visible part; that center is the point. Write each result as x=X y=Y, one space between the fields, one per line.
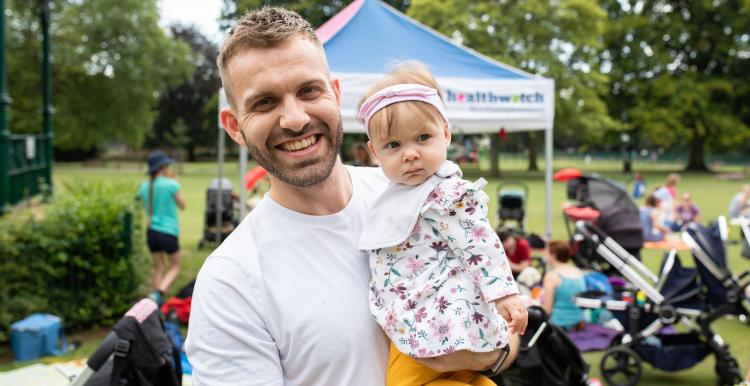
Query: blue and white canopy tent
x=482 y=95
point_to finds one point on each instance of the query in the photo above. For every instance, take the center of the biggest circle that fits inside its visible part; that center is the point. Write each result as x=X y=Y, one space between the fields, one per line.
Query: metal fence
x=25 y=167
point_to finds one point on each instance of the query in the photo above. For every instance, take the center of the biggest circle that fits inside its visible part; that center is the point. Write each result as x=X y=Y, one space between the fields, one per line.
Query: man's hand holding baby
x=512 y=309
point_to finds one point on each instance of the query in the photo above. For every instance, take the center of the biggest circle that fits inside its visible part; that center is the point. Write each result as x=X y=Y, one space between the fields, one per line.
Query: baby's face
x=415 y=147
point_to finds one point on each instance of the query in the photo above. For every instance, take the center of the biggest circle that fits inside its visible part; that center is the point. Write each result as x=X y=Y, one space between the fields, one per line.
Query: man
x=517 y=249
x=284 y=300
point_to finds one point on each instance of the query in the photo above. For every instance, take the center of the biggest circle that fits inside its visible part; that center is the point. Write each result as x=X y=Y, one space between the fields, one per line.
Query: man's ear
x=372 y=149
x=231 y=125
x=336 y=87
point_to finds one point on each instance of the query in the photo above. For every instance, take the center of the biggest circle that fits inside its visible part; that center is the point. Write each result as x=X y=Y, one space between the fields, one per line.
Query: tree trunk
x=531 y=146
x=627 y=161
x=191 y=153
x=494 y=152
x=697 y=160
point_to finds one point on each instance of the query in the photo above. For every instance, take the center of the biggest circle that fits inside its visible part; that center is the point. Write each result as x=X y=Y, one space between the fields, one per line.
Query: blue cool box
x=37 y=335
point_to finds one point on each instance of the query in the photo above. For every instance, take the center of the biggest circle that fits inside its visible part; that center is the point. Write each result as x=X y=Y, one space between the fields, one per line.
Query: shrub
x=80 y=257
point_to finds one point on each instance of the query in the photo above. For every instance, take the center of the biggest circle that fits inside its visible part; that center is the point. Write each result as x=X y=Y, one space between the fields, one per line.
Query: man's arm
x=227 y=341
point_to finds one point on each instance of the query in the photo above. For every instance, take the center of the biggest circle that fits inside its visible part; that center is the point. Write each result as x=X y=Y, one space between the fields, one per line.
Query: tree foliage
x=559 y=39
x=315 y=11
x=680 y=72
x=181 y=121
x=110 y=61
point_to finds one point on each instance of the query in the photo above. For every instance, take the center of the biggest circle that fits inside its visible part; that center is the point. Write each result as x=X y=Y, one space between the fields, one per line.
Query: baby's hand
x=513 y=311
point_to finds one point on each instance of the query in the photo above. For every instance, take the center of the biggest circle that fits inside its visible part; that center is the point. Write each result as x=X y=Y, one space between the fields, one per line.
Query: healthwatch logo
x=490 y=97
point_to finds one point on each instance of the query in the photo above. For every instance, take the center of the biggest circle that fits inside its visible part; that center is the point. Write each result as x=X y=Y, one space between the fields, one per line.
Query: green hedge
x=81 y=256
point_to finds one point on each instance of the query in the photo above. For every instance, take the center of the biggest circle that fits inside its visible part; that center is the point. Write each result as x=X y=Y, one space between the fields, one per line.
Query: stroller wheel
x=621 y=366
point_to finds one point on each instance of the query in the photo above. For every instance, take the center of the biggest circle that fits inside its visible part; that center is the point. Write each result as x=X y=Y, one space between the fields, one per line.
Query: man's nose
x=293 y=115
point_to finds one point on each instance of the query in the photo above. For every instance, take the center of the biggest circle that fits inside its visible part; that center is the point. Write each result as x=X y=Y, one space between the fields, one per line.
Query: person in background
x=687 y=211
x=740 y=208
x=561 y=283
x=161 y=197
x=362 y=156
x=517 y=249
x=740 y=204
x=639 y=186
x=667 y=194
x=651 y=220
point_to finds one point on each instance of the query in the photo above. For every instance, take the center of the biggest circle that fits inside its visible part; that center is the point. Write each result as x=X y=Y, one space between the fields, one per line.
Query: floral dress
x=432 y=288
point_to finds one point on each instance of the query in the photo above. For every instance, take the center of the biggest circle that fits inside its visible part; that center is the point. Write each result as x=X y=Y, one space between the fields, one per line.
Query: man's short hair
x=267 y=27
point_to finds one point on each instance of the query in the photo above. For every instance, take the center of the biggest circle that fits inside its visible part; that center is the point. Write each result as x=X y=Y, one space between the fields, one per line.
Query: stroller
x=725 y=293
x=651 y=303
x=227 y=211
x=138 y=352
x=607 y=204
x=511 y=203
x=547 y=357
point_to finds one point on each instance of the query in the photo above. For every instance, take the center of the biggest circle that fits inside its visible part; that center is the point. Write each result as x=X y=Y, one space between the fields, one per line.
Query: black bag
x=144 y=355
x=553 y=360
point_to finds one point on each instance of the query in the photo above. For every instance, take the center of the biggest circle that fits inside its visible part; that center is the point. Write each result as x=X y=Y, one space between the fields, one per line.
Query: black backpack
x=551 y=360
x=144 y=355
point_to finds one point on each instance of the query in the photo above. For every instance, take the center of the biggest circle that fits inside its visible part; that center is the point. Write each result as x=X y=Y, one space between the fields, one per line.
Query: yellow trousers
x=403 y=370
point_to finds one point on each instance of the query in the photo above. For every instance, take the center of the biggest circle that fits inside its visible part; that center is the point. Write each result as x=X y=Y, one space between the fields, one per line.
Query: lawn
x=709 y=192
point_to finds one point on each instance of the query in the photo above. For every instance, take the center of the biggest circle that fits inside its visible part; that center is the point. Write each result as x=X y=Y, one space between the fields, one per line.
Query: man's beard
x=307 y=172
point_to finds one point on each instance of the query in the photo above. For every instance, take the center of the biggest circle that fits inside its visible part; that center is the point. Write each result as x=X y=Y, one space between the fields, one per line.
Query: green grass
x=710 y=193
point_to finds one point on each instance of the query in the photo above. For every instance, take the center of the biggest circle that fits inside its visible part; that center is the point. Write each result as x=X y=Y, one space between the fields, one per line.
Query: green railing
x=26 y=160
x=25 y=167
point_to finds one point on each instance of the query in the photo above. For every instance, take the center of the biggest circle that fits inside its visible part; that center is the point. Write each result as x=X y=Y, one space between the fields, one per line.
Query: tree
x=560 y=39
x=185 y=102
x=110 y=60
x=315 y=11
x=679 y=71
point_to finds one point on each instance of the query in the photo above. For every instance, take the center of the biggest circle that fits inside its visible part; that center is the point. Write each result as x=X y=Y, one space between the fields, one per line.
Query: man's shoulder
x=236 y=256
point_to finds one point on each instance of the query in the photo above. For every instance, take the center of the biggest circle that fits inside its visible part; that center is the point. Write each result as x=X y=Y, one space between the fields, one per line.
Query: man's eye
x=308 y=90
x=423 y=137
x=262 y=103
x=391 y=145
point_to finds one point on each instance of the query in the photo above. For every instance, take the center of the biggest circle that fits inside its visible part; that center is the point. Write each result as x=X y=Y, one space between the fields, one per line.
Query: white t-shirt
x=284 y=300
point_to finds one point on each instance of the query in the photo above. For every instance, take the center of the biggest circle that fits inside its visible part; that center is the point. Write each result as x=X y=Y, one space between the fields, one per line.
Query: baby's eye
x=423 y=137
x=392 y=145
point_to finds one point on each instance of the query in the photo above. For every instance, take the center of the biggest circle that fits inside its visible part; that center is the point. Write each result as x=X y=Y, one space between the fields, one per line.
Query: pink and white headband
x=399 y=93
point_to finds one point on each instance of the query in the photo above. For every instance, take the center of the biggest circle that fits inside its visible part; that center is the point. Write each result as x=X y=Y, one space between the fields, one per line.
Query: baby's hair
x=560 y=249
x=382 y=122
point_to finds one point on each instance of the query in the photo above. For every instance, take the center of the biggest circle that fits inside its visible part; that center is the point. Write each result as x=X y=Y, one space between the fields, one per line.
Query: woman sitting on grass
x=561 y=284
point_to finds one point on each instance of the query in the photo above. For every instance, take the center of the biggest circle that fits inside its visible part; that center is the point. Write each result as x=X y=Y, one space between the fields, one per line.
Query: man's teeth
x=299 y=145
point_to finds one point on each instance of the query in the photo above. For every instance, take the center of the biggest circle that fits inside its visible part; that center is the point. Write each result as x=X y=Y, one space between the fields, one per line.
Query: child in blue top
x=161 y=197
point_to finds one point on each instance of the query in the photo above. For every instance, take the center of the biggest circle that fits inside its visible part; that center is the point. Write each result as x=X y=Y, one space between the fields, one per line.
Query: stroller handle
x=517 y=183
x=97 y=359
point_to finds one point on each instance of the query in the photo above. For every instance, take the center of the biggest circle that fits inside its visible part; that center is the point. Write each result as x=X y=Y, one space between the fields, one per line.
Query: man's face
x=288 y=111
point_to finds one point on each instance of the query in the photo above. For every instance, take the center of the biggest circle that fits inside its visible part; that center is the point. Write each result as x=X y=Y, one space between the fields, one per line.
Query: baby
x=440 y=280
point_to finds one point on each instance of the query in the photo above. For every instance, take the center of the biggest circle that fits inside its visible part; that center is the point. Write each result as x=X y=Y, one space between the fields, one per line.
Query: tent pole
x=494 y=159
x=548 y=163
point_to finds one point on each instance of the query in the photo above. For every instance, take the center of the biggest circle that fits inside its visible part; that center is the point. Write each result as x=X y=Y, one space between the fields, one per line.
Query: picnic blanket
x=592 y=338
